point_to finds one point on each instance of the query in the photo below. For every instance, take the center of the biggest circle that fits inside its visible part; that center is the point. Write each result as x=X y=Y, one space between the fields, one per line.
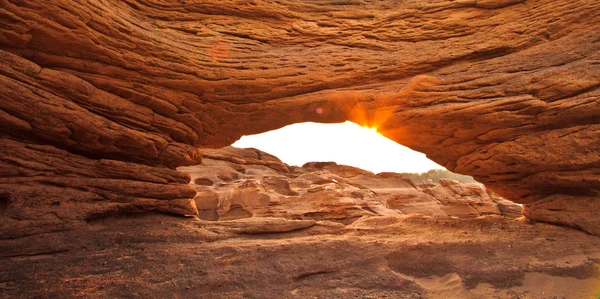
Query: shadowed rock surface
x=153 y=255
x=506 y=91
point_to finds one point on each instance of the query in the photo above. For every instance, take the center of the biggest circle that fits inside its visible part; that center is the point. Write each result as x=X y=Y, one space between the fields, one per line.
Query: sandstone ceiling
x=101 y=100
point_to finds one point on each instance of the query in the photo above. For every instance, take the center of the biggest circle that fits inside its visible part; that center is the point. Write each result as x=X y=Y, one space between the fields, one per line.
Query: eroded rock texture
x=237 y=183
x=405 y=256
x=504 y=90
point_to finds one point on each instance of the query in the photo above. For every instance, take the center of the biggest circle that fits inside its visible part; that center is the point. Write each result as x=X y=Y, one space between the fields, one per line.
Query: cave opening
x=344 y=143
x=335 y=172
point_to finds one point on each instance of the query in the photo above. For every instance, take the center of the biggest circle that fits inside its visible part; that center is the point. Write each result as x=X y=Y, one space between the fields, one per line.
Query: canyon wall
x=102 y=100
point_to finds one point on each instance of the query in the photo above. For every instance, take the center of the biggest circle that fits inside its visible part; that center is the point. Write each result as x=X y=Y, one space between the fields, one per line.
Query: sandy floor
x=152 y=255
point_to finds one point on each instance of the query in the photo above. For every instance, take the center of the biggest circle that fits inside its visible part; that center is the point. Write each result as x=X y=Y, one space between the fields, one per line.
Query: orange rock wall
x=504 y=90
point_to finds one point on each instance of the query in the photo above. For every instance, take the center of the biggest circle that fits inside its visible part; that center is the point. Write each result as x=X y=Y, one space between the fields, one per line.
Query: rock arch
x=100 y=101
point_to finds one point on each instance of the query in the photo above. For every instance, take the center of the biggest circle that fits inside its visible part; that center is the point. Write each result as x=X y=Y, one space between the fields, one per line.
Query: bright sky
x=346 y=143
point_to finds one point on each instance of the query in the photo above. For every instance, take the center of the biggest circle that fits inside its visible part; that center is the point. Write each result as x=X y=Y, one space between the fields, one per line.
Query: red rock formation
x=504 y=90
x=234 y=183
x=47 y=188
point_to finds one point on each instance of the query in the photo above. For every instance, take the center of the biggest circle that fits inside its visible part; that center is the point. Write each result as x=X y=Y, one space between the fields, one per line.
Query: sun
x=371 y=120
x=371 y=129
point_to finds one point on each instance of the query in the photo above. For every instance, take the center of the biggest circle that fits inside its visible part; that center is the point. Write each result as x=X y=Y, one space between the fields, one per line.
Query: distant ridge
x=435 y=175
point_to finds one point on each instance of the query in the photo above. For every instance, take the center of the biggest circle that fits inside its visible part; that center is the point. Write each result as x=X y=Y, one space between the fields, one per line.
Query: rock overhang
x=506 y=91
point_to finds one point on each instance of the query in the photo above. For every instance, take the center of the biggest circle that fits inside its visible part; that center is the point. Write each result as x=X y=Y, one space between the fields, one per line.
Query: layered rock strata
x=506 y=91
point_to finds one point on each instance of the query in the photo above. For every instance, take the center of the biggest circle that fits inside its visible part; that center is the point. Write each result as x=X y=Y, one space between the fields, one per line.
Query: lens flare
x=371 y=120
